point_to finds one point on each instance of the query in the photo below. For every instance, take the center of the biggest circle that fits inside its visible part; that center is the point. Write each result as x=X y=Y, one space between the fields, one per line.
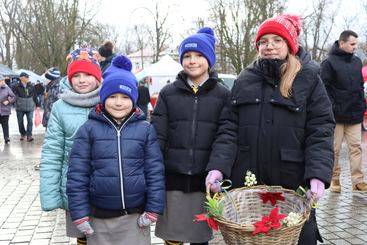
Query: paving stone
x=7 y=237
x=19 y=239
x=40 y=242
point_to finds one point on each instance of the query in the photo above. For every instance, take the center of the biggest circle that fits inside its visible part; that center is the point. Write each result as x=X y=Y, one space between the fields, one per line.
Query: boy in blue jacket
x=115 y=181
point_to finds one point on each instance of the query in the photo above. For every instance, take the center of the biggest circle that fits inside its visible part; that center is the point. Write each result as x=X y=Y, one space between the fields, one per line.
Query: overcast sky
x=185 y=12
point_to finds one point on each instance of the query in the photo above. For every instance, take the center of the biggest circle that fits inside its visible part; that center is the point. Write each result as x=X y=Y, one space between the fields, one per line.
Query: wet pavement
x=342 y=217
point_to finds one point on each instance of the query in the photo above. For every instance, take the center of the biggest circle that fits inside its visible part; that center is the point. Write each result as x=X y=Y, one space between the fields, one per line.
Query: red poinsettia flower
x=273 y=197
x=212 y=223
x=269 y=222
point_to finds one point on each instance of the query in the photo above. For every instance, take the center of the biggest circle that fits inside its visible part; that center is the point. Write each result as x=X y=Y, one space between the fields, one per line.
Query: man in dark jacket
x=144 y=96
x=26 y=100
x=341 y=72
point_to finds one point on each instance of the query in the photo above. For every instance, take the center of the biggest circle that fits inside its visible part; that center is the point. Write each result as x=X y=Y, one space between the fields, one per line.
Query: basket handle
x=312 y=201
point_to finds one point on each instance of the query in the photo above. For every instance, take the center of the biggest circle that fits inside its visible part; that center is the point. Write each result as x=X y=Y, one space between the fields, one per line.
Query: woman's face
x=272 y=46
x=2 y=82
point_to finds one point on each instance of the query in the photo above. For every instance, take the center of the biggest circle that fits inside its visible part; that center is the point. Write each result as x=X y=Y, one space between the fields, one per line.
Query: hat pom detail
x=206 y=30
x=122 y=62
x=295 y=20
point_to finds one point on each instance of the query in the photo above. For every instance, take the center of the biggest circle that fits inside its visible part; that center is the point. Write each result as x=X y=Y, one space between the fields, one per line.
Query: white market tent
x=162 y=71
x=6 y=71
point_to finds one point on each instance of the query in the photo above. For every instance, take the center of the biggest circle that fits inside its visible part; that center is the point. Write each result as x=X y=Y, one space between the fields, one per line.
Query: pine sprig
x=214 y=206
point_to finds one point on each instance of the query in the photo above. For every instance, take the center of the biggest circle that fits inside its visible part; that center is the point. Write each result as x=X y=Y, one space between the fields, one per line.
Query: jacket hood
x=271 y=67
x=335 y=50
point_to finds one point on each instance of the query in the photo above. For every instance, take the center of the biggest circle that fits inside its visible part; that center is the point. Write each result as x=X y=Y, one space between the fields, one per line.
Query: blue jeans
x=20 y=116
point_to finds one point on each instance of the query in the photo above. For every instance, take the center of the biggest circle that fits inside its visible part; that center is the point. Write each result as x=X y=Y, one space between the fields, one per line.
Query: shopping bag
x=37 y=118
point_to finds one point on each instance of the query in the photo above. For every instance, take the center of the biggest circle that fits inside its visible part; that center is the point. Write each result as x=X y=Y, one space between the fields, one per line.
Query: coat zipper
x=193 y=130
x=119 y=156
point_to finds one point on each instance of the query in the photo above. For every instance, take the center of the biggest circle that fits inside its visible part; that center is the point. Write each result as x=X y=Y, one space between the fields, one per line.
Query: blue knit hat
x=119 y=79
x=53 y=73
x=203 y=42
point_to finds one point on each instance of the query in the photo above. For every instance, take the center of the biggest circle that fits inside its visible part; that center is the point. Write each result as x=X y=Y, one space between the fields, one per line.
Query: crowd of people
x=115 y=173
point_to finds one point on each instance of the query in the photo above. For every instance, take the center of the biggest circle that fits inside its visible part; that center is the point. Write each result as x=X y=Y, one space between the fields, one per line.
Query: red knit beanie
x=84 y=60
x=286 y=26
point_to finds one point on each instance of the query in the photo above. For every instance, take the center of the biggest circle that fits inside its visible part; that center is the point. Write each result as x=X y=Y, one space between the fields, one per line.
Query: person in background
x=341 y=72
x=79 y=97
x=7 y=97
x=144 y=96
x=53 y=77
x=40 y=91
x=186 y=117
x=116 y=173
x=26 y=101
x=105 y=55
x=284 y=119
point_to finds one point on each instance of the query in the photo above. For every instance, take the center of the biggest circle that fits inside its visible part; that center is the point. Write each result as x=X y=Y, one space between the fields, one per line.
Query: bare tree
x=236 y=22
x=8 y=11
x=318 y=26
x=48 y=31
x=158 y=33
x=161 y=35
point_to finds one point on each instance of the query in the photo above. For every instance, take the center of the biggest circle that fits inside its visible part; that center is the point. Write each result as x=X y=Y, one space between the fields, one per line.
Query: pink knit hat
x=286 y=26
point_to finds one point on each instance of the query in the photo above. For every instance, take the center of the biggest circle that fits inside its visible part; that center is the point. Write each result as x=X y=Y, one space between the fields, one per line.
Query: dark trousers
x=310 y=232
x=20 y=116
x=144 y=108
x=4 y=121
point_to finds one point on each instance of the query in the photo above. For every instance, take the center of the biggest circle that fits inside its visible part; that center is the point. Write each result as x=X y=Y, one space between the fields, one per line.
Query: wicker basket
x=236 y=223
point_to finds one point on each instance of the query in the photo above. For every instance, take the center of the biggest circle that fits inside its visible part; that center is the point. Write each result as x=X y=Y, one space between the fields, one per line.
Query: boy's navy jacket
x=115 y=169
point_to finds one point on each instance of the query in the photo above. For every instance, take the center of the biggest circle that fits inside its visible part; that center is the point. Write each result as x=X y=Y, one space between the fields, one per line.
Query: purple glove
x=213 y=178
x=317 y=187
x=147 y=218
x=84 y=226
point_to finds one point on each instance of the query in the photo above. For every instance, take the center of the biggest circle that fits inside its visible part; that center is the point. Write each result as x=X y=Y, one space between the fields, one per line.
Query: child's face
x=195 y=65
x=119 y=105
x=83 y=83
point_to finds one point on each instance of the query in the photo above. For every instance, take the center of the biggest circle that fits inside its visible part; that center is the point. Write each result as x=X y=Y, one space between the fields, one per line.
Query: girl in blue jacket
x=115 y=181
x=79 y=96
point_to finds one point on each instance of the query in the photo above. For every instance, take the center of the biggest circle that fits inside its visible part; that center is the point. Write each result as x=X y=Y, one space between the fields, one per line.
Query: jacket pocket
x=292 y=168
x=290 y=155
x=245 y=98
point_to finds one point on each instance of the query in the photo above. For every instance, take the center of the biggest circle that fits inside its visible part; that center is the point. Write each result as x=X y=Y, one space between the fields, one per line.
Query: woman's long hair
x=288 y=73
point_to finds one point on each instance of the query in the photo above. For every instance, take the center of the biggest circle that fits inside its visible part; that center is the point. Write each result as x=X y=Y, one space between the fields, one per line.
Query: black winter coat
x=186 y=125
x=341 y=73
x=143 y=96
x=283 y=141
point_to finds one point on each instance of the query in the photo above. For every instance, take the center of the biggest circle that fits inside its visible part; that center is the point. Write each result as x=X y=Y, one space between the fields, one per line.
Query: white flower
x=292 y=219
x=250 y=179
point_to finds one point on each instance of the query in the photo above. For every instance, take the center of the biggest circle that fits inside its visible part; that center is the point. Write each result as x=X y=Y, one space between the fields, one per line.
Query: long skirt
x=176 y=224
x=118 y=231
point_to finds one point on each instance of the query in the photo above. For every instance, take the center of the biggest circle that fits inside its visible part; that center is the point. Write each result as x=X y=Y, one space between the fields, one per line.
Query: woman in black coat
x=283 y=117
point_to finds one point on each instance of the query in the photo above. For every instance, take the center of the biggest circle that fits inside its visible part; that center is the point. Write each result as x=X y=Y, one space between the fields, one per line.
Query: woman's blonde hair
x=288 y=73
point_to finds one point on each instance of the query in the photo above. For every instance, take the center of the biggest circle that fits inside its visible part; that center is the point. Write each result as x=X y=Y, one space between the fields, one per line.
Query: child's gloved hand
x=84 y=226
x=213 y=178
x=147 y=218
x=316 y=187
